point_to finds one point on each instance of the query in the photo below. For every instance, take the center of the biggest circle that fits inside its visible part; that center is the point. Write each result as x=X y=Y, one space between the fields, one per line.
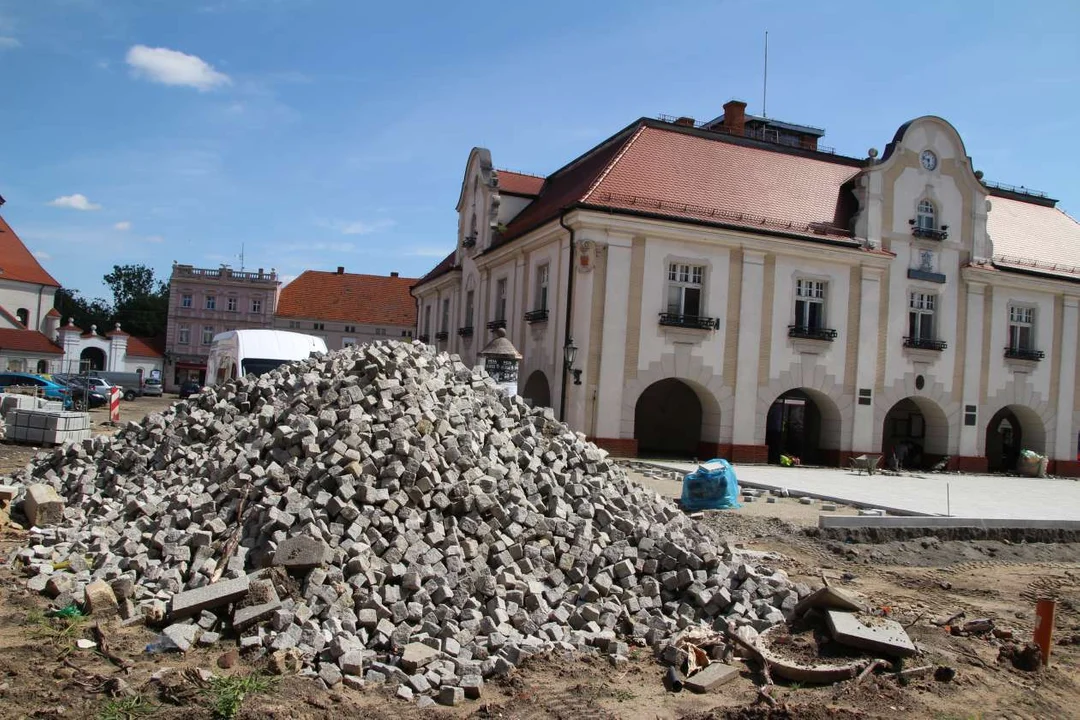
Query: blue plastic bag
x=713 y=486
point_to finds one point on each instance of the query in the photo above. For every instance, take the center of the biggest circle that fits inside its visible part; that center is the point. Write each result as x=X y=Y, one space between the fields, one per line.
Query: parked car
x=152 y=388
x=130 y=384
x=49 y=389
x=189 y=388
x=86 y=395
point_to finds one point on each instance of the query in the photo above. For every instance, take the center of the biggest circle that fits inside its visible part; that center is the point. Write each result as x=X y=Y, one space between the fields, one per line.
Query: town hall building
x=733 y=288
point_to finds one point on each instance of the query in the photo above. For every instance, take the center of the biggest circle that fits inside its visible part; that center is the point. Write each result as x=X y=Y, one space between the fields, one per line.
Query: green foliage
x=228 y=693
x=61 y=631
x=140 y=303
x=129 y=708
x=70 y=304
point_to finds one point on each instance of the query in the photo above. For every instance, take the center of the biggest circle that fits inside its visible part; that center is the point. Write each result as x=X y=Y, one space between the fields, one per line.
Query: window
x=24 y=316
x=184 y=335
x=970 y=415
x=684 y=289
x=925 y=215
x=500 y=299
x=186 y=300
x=350 y=328
x=256 y=305
x=294 y=324
x=211 y=302
x=921 y=316
x=381 y=331
x=231 y=304
x=318 y=326
x=348 y=342
x=406 y=333
x=1021 y=328
x=809 y=304
x=542 y=274
x=207 y=334
x=444 y=326
x=427 y=320
x=469 y=297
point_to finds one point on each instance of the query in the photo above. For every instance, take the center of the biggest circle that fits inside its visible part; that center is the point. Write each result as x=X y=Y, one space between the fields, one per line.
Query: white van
x=257 y=352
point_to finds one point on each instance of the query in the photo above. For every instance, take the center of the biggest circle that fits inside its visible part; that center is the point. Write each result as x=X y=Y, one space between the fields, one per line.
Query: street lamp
x=569 y=356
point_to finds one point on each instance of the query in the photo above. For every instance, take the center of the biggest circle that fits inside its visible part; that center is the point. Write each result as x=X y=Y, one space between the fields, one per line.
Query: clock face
x=929 y=160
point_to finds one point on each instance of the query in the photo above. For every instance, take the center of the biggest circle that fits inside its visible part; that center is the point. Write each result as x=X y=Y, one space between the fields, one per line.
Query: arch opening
x=915 y=435
x=668 y=420
x=92 y=358
x=1012 y=429
x=537 y=390
x=805 y=424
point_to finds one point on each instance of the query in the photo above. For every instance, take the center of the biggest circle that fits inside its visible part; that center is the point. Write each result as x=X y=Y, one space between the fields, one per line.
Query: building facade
x=735 y=289
x=347 y=308
x=206 y=301
x=28 y=321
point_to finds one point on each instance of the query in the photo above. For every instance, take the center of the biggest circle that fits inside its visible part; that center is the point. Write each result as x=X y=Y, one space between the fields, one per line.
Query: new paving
x=969 y=496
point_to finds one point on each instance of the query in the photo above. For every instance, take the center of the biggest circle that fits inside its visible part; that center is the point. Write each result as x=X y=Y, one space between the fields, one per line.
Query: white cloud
x=122 y=225
x=78 y=201
x=154 y=239
x=428 y=252
x=8 y=43
x=42 y=255
x=360 y=227
x=171 y=67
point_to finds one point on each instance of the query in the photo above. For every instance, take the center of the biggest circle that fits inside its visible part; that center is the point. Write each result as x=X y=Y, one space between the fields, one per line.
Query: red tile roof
x=1033 y=237
x=516 y=183
x=17 y=263
x=28 y=341
x=53 y=312
x=351 y=298
x=146 y=347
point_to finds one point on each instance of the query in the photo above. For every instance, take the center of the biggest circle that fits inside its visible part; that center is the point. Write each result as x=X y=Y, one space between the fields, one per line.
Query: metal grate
x=925 y=344
x=536 y=316
x=804 y=332
x=1014 y=353
x=688 y=321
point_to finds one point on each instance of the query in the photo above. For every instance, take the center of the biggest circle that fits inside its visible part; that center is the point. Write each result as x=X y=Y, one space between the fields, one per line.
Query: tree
x=140 y=303
x=132 y=282
x=70 y=304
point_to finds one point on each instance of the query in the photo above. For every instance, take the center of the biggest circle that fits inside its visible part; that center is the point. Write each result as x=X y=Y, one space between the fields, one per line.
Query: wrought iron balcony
x=930 y=233
x=466 y=331
x=442 y=335
x=496 y=324
x=925 y=344
x=469 y=241
x=1018 y=353
x=424 y=338
x=697 y=322
x=805 y=332
x=536 y=316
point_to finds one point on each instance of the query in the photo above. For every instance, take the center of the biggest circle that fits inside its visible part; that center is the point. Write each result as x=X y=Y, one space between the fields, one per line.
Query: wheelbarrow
x=869 y=463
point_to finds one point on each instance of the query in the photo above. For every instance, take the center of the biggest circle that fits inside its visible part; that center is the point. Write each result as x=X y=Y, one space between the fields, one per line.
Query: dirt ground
x=44 y=675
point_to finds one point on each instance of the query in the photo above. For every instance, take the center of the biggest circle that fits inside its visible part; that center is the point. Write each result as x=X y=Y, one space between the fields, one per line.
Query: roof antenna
x=241 y=257
x=765 y=82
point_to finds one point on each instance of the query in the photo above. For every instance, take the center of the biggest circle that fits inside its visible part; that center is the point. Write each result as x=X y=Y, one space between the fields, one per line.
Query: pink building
x=204 y=302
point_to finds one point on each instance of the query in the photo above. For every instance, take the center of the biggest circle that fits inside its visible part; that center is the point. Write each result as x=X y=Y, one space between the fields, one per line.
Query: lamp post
x=501 y=360
x=569 y=356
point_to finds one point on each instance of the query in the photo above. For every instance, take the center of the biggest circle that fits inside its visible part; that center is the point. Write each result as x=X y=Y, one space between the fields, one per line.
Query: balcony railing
x=536 y=316
x=1017 y=353
x=469 y=241
x=424 y=338
x=697 y=322
x=466 y=331
x=441 y=335
x=805 y=332
x=925 y=344
x=496 y=324
x=930 y=233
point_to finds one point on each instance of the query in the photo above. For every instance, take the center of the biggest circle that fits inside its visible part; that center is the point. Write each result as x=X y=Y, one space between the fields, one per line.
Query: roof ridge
x=612 y=163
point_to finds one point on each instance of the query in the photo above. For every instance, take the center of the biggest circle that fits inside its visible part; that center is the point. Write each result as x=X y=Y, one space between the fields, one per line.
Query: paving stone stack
x=383 y=513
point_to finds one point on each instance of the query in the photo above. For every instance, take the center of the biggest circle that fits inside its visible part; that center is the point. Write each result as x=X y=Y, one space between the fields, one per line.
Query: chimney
x=340 y=270
x=685 y=121
x=735 y=117
x=394 y=274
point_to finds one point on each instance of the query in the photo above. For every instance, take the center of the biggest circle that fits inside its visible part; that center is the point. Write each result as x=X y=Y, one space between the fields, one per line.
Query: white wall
x=37 y=299
x=783 y=355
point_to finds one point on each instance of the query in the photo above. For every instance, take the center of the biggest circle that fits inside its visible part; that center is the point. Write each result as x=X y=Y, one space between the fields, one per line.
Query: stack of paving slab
x=45 y=426
x=381 y=514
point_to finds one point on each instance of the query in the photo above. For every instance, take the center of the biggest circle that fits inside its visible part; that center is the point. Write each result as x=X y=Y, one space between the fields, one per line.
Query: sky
x=316 y=133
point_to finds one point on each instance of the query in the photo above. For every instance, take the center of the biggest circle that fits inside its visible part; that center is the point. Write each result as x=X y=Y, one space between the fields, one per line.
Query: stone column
x=865 y=437
x=749 y=349
x=1065 y=349
x=970 y=459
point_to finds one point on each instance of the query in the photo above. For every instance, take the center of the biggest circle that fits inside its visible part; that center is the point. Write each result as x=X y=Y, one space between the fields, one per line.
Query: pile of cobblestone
x=383 y=513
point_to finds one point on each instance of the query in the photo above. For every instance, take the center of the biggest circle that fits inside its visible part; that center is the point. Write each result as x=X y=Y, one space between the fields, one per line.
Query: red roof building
x=347 y=308
x=734 y=288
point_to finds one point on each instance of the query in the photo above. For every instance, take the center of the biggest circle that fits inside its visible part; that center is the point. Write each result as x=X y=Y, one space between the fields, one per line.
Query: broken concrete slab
x=828 y=598
x=43 y=506
x=876 y=635
x=713 y=676
x=192 y=602
x=301 y=553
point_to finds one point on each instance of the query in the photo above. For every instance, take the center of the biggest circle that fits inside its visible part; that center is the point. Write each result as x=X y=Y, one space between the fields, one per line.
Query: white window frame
x=808 y=292
x=926 y=215
x=183 y=335
x=922 y=304
x=543 y=277
x=256 y=305
x=380 y=331
x=681 y=277
x=232 y=304
x=1022 y=316
x=207 y=334
x=187 y=300
x=500 y=299
x=211 y=302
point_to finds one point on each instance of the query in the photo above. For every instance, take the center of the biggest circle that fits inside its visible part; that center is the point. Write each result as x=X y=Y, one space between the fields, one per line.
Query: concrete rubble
x=386 y=515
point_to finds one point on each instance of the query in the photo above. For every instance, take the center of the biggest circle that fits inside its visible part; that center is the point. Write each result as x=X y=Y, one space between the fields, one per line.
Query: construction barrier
x=114 y=405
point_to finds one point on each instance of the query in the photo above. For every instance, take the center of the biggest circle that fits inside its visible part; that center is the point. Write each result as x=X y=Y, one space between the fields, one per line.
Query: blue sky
x=319 y=133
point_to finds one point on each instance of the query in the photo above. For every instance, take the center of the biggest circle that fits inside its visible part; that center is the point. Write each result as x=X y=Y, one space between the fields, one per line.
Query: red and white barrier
x=114 y=404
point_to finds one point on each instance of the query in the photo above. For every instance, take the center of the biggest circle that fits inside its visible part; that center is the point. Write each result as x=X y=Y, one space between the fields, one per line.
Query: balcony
x=1017 y=353
x=925 y=344
x=468 y=241
x=696 y=322
x=441 y=336
x=536 y=316
x=496 y=324
x=804 y=332
x=929 y=233
x=466 y=331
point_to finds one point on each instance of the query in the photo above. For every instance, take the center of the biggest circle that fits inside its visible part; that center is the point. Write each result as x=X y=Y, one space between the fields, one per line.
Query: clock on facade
x=929 y=159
